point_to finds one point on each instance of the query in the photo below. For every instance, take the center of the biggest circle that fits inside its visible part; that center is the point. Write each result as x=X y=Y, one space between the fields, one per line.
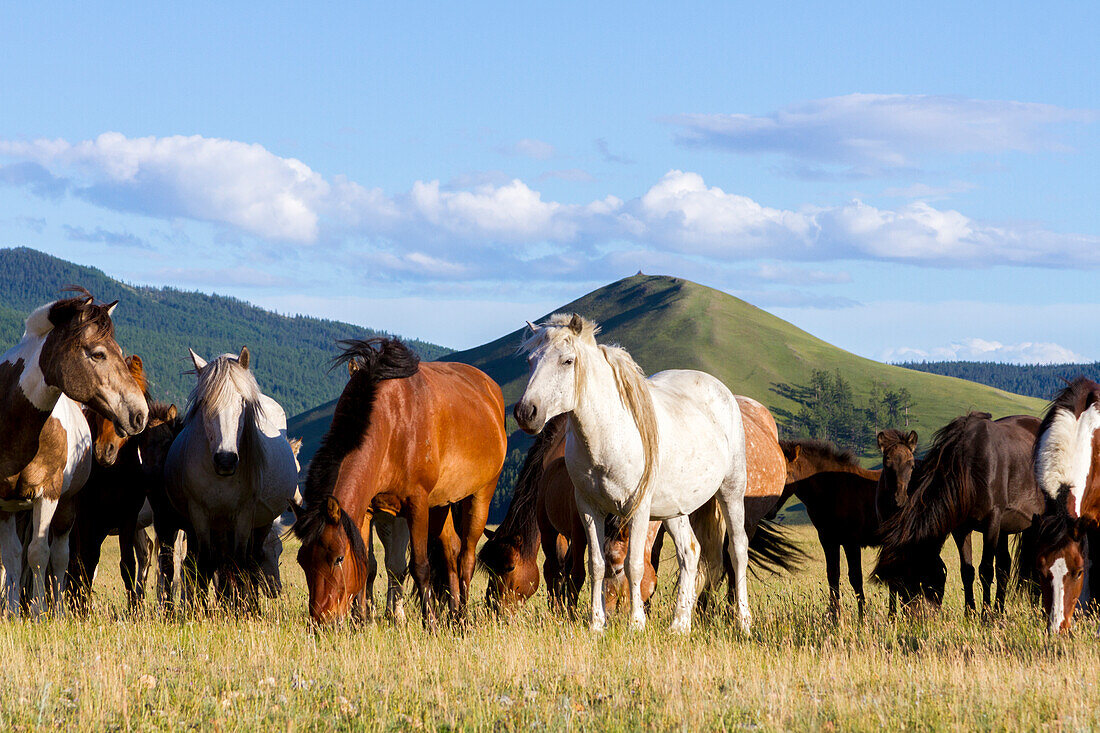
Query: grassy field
x=796 y=671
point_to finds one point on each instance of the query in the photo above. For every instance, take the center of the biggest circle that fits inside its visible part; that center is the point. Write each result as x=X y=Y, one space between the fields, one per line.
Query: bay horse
x=109 y=503
x=977 y=475
x=405 y=438
x=68 y=354
x=642 y=449
x=230 y=473
x=1066 y=470
x=847 y=503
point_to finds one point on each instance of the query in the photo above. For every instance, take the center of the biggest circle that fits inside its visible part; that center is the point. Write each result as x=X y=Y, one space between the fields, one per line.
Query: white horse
x=641 y=449
x=230 y=471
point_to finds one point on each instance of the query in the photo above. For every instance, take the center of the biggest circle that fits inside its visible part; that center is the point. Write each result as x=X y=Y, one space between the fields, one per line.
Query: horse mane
x=521 y=522
x=1057 y=441
x=630 y=382
x=96 y=320
x=375 y=360
x=309 y=526
x=941 y=490
x=821 y=450
x=137 y=371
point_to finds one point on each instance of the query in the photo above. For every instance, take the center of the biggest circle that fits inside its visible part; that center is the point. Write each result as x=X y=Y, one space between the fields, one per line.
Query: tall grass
x=534 y=671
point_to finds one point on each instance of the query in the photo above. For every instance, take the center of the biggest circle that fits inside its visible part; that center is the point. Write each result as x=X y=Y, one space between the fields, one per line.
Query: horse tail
x=520 y=525
x=943 y=487
x=1024 y=559
x=709 y=527
x=773 y=549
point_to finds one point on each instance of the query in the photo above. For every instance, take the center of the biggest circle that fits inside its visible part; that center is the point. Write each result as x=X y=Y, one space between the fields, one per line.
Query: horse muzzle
x=225 y=463
x=528 y=418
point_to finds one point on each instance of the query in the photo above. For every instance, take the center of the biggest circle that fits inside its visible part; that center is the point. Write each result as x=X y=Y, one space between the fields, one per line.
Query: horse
x=543 y=511
x=977 y=475
x=639 y=448
x=230 y=473
x=847 y=503
x=1066 y=469
x=68 y=354
x=405 y=438
x=109 y=503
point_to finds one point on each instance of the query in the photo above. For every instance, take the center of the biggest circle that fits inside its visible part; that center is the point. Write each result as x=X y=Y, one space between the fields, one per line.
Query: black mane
x=375 y=360
x=821 y=449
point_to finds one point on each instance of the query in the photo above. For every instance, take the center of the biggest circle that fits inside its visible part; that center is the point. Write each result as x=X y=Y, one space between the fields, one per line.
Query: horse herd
x=414 y=452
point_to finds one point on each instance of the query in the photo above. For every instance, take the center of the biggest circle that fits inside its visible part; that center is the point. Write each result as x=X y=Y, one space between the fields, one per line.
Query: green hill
x=290 y=354
x=667 y=323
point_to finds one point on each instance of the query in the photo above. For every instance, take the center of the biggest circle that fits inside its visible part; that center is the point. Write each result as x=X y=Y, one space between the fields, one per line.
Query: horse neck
x=365 y=471
x=602 y=426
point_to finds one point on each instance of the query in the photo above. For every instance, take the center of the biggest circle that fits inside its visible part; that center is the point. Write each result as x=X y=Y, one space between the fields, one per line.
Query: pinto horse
x=1066 y=470
x=405 y=438
x=977 y=475
x=641 y=449
x=68 y=354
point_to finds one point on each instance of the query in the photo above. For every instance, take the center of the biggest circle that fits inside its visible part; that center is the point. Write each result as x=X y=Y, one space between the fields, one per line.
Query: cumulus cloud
x=879 y=132
x=494 y=227
x=976 y=349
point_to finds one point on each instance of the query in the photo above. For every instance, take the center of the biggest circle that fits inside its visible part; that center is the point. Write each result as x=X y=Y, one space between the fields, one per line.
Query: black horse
x=977 y=476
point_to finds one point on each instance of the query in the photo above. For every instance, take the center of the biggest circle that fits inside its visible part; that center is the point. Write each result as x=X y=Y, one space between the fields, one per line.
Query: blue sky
x=915 y=180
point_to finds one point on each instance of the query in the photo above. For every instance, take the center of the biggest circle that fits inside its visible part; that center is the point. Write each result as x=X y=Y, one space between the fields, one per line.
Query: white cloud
x=529 y=148
x=977 y=349
x=877 y=132
x=492 y=229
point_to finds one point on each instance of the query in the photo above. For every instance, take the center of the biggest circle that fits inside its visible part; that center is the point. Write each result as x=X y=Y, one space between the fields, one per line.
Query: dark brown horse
x=1067 y=470
x=977 y=475
x=405 y=437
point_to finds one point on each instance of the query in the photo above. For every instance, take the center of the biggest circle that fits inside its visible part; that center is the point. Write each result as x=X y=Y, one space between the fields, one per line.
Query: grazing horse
x=405 y=438
x=640 y=449
x=977 y=475
x=1066 y=470
x=110 y=502
x=230 y=473
x=67 y=354
x=544 y=512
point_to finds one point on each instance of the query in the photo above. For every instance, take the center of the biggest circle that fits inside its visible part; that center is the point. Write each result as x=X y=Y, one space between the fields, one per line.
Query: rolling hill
x=291 y=354
x=668 y=322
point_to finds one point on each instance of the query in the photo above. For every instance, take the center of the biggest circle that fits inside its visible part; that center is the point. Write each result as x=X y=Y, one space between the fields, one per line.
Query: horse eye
x=337 y=561
x=567 y=361
x=97 y=355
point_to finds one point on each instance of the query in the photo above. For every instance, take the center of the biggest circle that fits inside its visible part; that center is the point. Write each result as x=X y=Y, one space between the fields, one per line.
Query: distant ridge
x=668 y=322
x=1035 y=380
x=290 y=354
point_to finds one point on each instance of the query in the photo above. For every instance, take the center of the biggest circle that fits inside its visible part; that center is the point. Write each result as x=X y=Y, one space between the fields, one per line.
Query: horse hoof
x=637 y=624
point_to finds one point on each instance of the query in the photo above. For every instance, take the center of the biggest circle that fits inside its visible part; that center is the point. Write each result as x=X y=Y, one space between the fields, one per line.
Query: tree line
x=1034 y=380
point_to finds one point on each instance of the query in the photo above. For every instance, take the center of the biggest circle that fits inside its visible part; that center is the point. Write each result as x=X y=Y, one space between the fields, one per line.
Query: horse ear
x=576 y=324
x=353 y=367
x=197 y=360
x=295 y=445
x=881 y=440
x=489 y=533
x=333 y=510
x=791 y=451
x=135 y=360
x=111 y=307
x=533 y=327
x=911 y=439
x=172 y=412
x=244 y=357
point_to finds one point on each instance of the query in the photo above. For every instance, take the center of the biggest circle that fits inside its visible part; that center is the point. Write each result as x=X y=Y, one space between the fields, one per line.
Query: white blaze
x=1058 y=573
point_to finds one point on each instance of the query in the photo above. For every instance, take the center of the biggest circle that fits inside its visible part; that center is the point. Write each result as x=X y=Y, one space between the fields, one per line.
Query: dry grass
x=797 y=670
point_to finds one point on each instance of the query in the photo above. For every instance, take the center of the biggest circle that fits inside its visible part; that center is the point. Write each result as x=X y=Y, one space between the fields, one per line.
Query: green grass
x=670 y=323
x=797 y=670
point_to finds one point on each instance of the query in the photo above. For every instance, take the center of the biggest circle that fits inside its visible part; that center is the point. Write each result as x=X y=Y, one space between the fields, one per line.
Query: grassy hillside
x=667 y=322
x=290 y=354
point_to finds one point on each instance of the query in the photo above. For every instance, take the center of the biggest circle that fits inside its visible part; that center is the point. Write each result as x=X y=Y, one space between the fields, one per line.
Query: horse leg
x=855 y=572
x=38 y=550
x=127 y=564
x=395 y=539
x=143 y=548
x=594 y=522
x=966 y=565
x=832 y=572
x=571 y=585
x=362 y=607
x=687 y=554
x=552 y=566
x=990 y=539
x=416 y=514
x=82 y=565
x=11 y=549
x=474 y=514
x=1004 y=568
x=732 y=503
x=635 y=563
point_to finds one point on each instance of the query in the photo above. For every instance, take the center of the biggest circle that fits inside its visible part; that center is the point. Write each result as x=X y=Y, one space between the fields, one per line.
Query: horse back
x=444 y=431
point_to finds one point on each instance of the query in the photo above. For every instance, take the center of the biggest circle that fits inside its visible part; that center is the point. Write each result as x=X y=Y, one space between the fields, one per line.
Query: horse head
x=333 y=557
x=79 y=357
x=156 y=440
x=898 y=461
x=556 y=378
x=227 y=400
x=108 y=442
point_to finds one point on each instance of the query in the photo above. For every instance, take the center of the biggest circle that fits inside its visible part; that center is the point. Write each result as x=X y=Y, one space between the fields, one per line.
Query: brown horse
x=977 y=475
x=1067 y=470
x=847 y=503
x=68 y=349
x=405 y=437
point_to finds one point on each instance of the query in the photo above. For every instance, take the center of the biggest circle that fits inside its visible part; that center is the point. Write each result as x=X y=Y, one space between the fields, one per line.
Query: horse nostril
x=525 y=413
x=137 y=422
